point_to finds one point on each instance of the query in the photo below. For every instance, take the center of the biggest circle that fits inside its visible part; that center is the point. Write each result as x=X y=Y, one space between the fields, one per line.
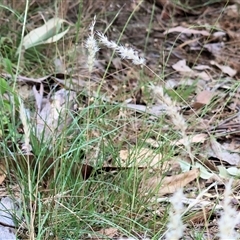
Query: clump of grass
x=175 y=227
x=84 y=206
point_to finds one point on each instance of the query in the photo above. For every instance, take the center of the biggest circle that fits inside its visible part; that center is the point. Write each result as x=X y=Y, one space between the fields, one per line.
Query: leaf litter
x=197 y=54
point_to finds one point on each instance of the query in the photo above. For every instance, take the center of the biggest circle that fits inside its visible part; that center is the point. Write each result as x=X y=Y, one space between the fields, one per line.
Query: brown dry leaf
x=153 y=143
x=232 y=10
x=109 y=232
x=181 y=29
x=201 y=67
x=225 y=69
x=147 y=159
x=198 y=138
x=233 y=34
x=171 y=184
x=182 y=68
x=2 y=172
x=217 y=150
x=203 y=98
x=140 y=158
x=124 y=154
x=203 y=75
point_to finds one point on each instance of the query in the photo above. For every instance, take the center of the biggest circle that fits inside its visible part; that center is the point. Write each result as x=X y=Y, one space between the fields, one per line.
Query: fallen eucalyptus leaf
x=225 y=69
x=56 y=37
x=217 y=150
x=48 y=33
x=165 y=185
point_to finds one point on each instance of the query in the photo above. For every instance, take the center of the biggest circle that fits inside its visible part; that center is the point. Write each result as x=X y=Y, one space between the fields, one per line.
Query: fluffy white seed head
x=177 y=119
x=171 y=109
x=92 y=46
x=124 y=52
x=104 y=40
x=161 y=97
x=229 y=217
x=175 y=224
x=91 y=28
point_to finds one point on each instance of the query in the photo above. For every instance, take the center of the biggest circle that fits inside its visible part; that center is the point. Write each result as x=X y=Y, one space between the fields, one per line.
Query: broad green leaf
x=223 y=173
x=44 y=34
x=56 y=37
x=185 y=166
x=204 y=173
x=233 y=171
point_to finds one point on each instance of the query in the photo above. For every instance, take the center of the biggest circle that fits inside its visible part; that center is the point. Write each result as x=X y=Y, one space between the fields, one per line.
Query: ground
x=102 y=151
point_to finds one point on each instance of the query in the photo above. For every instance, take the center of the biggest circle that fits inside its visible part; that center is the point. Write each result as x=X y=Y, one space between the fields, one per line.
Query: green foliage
x=182 y=93
x=8 y=104
x=6 y=47
x=7 y=66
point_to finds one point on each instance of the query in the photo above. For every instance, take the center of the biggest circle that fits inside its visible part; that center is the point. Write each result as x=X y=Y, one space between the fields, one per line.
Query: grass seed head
x=124 y=52
x=92 y=46
x=175 y=224
x=229 y=217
